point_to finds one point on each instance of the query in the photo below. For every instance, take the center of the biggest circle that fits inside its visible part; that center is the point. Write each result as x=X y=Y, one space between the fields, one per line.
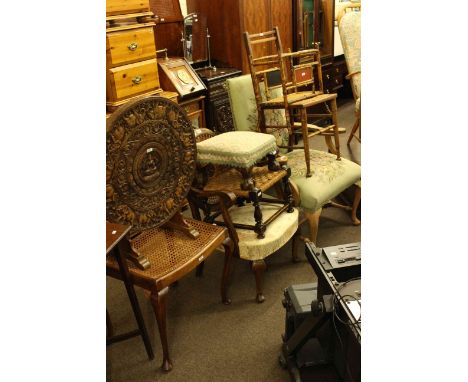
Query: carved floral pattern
x=150 y=162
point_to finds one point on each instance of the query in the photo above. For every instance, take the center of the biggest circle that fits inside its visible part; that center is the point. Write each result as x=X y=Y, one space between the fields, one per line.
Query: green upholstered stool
x=235 y=148
x=241 y=150
x=250 y=248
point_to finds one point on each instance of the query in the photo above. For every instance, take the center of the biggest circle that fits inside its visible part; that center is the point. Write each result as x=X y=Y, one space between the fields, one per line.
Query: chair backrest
x=349 y=25
x=244 y=112
x=264 y=53
x=274 y=71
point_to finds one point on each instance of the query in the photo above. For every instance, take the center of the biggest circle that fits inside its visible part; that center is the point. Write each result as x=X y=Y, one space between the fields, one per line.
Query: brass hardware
x=132 y=46
x=328 y=76
x=136 y=80
x=336 y=81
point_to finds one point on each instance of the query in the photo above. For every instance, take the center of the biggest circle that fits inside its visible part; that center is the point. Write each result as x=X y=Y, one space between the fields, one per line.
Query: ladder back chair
x=291 y=82
x=329 y=176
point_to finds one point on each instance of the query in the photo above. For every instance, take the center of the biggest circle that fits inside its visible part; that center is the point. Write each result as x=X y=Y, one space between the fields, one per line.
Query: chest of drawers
x=132 y=69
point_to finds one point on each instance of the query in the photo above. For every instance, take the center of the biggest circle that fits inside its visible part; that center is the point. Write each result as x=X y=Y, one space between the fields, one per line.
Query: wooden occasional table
x=114 y=234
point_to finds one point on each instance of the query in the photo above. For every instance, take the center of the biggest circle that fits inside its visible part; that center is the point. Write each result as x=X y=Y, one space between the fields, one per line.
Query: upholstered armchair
x=329 y=176
x=349 y=26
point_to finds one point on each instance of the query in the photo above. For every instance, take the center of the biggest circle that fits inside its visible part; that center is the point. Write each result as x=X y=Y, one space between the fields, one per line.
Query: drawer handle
x=136 y=80
x=337 y=82
x=328 y=76
x=133 y=46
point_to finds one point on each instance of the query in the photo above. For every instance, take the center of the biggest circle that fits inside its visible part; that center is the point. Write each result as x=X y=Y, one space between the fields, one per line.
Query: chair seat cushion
x=235 y=148
x=277 y=233
x=329 y=177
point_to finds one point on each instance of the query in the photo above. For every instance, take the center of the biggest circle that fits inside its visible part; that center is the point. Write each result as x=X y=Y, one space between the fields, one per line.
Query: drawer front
x=130 y=46
x=133 y=79
x=117 y=7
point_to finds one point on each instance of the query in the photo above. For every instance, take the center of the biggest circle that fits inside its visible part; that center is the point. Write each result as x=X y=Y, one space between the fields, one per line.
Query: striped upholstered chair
x=349 y=26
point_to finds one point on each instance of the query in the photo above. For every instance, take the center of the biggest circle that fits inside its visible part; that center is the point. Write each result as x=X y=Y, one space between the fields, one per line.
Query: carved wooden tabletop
x=115 y=233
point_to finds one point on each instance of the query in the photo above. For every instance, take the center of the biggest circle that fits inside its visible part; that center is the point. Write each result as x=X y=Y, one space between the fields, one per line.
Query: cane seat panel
x=171 y=250
x=231 y=179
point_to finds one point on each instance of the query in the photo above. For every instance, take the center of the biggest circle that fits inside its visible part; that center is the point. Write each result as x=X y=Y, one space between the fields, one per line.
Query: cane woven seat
x=169 y=250
x=230 y=180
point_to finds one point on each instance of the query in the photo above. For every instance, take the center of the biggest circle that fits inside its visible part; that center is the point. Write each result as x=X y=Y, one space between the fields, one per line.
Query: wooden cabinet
x=132 y=69
x=217 y=106
x=313 y=21
x=168 y=32
x=227 y=20
x=119 y=7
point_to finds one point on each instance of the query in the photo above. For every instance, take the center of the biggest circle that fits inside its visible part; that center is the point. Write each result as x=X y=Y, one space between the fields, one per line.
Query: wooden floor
x=213 y=342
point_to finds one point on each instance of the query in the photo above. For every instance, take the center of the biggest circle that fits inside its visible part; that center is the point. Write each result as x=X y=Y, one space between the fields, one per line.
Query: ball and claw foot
x=260 y=298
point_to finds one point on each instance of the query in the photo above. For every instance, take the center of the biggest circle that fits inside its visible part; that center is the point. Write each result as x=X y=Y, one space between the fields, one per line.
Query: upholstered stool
x=250 y=248
x=238 y=149
x=329 y=178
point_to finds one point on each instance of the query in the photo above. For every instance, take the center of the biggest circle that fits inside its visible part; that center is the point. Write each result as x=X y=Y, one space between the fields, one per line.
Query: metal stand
x=208 y=36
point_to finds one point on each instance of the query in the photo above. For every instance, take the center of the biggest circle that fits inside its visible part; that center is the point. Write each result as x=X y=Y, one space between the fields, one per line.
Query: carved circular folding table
x=150 y=162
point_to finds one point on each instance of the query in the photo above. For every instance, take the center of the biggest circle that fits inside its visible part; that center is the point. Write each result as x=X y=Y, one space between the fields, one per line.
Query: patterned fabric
x=350 y=33
x=277 y=233
x=235 y=148
x=244 y=109
x=329 y=177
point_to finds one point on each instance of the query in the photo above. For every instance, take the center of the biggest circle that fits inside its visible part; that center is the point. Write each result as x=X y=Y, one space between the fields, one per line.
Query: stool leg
x=259 y=266
x=254 y=196
x=228 y=250
x=305 y=140
x=159 y=303
x=313 y=220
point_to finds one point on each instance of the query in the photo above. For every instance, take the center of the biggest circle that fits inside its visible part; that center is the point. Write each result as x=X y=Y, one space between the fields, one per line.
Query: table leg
x=134 y=301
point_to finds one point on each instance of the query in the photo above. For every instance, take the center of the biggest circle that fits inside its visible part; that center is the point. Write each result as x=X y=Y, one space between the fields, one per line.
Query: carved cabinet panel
x=217 y=106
